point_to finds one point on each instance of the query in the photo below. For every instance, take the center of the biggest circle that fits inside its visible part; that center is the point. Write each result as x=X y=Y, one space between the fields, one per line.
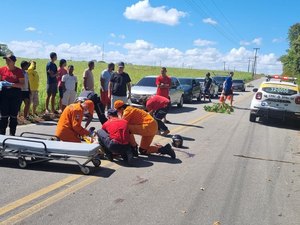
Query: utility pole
x=224 y=65
x=103 y=52
x=254 y=63
x=249 y=65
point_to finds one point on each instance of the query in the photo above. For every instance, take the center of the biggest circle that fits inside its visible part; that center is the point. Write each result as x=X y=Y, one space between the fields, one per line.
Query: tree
x=291 y=61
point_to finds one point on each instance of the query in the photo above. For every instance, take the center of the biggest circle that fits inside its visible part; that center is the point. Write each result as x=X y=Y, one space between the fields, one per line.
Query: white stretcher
x=40 y=150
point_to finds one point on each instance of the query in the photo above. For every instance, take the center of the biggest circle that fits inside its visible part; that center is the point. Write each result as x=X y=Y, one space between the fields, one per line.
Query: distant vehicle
x=278 y=97
x=147 y=87
x=214 y=88
x=4 y=50
x=191 y=88
x=238 y=85
x=219 y=80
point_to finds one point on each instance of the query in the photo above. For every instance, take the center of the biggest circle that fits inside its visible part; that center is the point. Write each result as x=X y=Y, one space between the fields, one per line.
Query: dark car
x=191 y=89
x=238 y=85
x=219 y=81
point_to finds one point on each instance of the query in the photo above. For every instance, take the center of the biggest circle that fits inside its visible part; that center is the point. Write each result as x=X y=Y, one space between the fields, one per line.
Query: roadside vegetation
x=291 y=61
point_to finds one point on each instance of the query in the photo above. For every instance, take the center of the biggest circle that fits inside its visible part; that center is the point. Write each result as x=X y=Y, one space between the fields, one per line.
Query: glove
x=6 y=83
x=91 y=130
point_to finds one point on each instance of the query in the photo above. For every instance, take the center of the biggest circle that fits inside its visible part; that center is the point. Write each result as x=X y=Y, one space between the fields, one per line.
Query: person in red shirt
x=158 y=107
x=10 y=94
x=163 y=83
x=114 y=137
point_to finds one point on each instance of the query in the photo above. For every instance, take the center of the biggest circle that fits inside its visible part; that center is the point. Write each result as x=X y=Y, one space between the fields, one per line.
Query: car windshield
x=219 y=79
x=147 y=82
x=238 y=81
x=185 y=81
x=283 y=90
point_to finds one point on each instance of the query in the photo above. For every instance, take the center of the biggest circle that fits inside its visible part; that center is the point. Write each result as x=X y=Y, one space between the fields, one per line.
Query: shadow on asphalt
x=240 y=108
x=47 y=123
x=137 y=163
x=277 y=123
x=57 y=168
x=186 y=125
x=181 y=110
x=161 y=159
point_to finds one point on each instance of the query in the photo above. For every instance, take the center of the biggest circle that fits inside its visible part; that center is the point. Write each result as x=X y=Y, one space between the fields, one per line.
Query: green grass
x=136 y=72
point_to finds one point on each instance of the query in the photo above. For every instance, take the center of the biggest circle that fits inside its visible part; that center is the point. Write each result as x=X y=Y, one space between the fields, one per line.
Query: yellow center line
x=53 y=199
x=39 y=193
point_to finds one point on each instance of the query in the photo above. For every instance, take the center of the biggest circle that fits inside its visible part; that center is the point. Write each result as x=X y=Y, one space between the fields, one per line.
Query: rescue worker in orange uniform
x=69 y=125
x=142 y=123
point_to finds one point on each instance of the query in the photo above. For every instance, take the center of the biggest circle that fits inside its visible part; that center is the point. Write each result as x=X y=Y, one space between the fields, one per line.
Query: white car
x=278 y=97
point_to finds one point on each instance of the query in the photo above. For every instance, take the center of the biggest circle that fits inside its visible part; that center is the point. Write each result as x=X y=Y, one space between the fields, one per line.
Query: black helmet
x=177 y=141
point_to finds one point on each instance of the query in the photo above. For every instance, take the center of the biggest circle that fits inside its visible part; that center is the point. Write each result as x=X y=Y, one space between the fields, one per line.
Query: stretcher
x=30 y=150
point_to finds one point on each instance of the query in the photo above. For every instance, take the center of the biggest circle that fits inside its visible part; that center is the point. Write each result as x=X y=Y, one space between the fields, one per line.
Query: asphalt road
x=230 y=170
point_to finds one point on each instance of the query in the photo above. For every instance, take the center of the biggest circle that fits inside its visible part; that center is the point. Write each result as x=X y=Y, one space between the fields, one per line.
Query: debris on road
x=219 y=108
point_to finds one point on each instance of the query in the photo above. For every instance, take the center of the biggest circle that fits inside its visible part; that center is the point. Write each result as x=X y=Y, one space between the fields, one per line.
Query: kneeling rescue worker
x=114 y=137
x=69 y=125
x=142 y=123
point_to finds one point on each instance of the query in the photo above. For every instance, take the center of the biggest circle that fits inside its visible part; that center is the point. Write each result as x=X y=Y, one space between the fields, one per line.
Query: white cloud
x=277 y=40
x=255 y=41
x=30 y=29
x=143 y=11
x=145 y=53
x=113 y=35
x=210 y=21
x=200 y=42
x=122 y=36
x=114 y=43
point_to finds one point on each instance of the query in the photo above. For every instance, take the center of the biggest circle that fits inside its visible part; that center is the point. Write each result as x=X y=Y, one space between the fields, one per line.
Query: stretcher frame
x=23 y=152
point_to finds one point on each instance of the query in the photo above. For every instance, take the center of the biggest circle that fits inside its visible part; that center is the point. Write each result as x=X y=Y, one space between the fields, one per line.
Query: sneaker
x=128 y=157
x=47 y=111
x=134 y=150
x=167 y=150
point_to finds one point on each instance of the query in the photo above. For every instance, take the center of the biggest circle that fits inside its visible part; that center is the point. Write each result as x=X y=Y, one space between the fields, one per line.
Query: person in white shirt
x=69 y=83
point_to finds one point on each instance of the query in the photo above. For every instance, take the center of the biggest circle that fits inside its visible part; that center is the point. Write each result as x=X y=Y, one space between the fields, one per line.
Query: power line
x=228 y=21
x=200 y=10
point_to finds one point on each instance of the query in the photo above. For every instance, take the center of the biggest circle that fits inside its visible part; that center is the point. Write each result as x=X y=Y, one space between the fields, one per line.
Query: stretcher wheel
x=85 y=170
x=96 y=162
x=22 y=163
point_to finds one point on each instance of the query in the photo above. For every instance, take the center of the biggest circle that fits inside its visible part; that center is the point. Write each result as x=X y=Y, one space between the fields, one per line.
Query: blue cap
x=112 y=112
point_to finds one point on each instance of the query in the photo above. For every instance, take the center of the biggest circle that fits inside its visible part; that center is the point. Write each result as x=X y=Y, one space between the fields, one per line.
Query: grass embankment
x=136 y=72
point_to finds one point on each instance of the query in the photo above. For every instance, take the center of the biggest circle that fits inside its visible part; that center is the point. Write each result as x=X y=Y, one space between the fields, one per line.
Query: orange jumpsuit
x=141 y=123
x=69 y=125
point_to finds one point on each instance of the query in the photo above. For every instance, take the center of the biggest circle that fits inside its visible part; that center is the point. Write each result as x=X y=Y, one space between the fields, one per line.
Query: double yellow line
x=52 y=199
x=69 y=181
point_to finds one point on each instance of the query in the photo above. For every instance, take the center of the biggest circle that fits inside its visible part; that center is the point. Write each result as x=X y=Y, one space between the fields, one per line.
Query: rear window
x=238 y=81
x=147 y=82
x=185 y=81
x=219 y=79
x=279 y=90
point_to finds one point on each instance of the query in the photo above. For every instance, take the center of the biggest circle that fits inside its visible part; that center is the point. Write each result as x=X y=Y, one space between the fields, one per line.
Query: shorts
x=52 y=89
x=104 y=98
x=228 y=92
x=25 y=95
x=69 y=97
x=61 y=91
x=34 y=98
x=206 y=91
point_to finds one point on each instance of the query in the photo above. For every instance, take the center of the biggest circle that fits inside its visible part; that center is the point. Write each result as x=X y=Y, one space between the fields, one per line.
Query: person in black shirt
x=207 y=84
x=51 y=70
x=118 y=85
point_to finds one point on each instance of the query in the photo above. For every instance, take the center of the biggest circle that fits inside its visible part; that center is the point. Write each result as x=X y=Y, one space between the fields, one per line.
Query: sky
x=198 y=34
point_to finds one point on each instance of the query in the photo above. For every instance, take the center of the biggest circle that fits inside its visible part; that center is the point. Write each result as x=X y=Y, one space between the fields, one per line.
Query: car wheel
x=180 y=104
x=252 y=117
